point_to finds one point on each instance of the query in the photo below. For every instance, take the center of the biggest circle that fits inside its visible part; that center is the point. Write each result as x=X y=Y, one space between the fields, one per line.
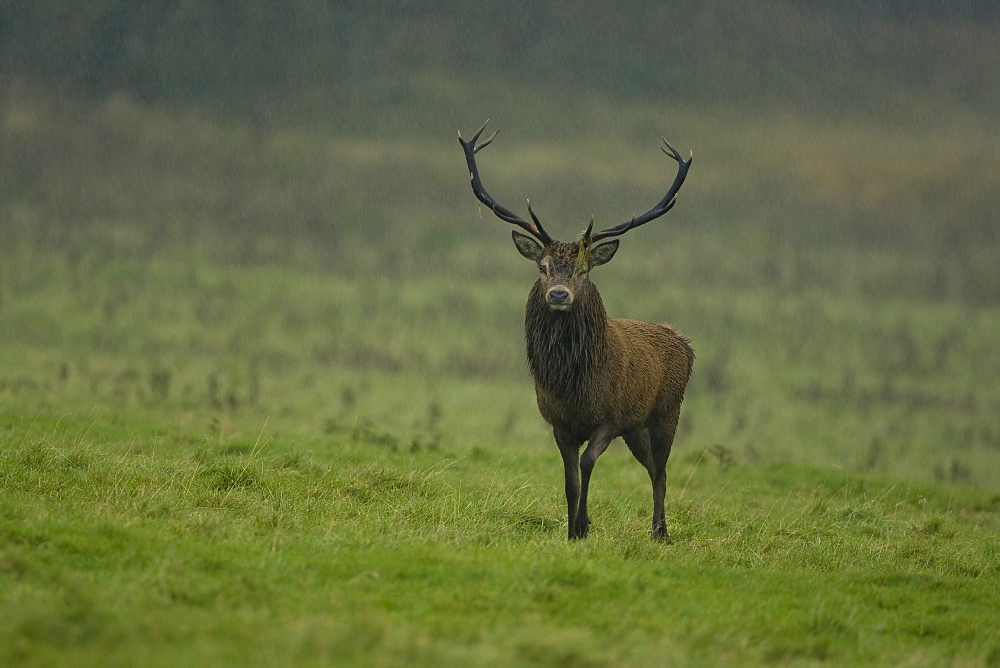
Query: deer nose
x=559 y=296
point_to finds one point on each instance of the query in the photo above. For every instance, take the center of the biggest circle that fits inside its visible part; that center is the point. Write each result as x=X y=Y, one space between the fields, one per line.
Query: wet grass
x=254 y=408
x=195 y=547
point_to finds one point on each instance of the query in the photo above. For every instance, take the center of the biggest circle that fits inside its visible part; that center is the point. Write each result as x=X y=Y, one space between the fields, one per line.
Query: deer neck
x=565 y=348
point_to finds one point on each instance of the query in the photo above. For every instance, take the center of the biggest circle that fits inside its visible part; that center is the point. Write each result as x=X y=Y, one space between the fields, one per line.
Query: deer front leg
x=596 y=445
x=569 y=448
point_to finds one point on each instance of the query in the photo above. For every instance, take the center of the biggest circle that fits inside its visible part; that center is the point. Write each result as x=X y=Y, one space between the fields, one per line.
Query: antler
x=662 y=206
x=503 y=213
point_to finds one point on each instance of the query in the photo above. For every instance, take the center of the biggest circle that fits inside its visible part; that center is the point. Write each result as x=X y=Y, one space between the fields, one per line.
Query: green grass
x=255 y=407
x=197 y=547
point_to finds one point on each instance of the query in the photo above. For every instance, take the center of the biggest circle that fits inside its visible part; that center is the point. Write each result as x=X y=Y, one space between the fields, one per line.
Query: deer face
x=564 y=268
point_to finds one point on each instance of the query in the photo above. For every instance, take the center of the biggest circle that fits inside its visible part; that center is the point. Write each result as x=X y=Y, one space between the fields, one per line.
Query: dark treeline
x=231 y=54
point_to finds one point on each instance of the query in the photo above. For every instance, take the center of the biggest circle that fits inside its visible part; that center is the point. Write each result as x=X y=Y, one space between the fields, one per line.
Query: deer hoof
x=579 y=530
x=660 y=534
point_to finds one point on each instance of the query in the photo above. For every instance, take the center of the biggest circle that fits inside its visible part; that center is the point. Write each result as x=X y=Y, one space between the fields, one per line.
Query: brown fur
x=598 y=378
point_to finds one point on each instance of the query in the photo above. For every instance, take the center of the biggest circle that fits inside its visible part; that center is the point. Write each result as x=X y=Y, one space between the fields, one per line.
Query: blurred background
x=249 y=209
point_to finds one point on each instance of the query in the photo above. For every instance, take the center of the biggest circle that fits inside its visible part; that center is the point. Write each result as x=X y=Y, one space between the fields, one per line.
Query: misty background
x=832 y=254
x=560 y=75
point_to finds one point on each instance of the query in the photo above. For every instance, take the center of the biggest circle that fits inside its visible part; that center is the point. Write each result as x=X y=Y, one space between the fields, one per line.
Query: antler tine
x=669 y=149
x=660 y=207
x=486 y=143
x=475 y=137
x=503 y=213
x=531 y=213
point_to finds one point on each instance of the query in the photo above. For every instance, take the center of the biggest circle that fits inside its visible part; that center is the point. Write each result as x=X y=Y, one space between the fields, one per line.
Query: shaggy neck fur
x=565 y=348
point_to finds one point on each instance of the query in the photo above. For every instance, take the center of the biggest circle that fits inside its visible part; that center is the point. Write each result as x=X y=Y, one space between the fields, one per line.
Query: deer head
x=564 y=268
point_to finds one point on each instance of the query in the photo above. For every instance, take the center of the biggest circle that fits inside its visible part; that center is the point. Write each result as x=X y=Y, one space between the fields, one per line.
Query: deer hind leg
x=661 y=439
x=640 y=441
x=637 y=441
x=569 y=448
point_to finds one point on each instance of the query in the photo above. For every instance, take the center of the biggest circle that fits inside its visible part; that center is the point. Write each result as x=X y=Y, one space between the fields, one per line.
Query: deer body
x=596 y=378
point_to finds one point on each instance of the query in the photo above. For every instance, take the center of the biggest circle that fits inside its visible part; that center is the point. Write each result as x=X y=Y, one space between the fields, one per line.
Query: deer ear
x=602 y=254
x=527 y=246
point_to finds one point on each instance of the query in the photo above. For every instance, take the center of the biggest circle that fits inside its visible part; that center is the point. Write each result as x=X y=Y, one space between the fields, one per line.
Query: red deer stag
x=596 y=378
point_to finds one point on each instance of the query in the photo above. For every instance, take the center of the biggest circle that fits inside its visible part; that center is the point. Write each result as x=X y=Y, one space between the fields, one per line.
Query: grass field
x=188 y=545
x=263 y=399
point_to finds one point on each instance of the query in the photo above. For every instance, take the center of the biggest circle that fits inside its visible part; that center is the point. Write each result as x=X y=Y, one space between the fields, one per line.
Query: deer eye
x=542 y=268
